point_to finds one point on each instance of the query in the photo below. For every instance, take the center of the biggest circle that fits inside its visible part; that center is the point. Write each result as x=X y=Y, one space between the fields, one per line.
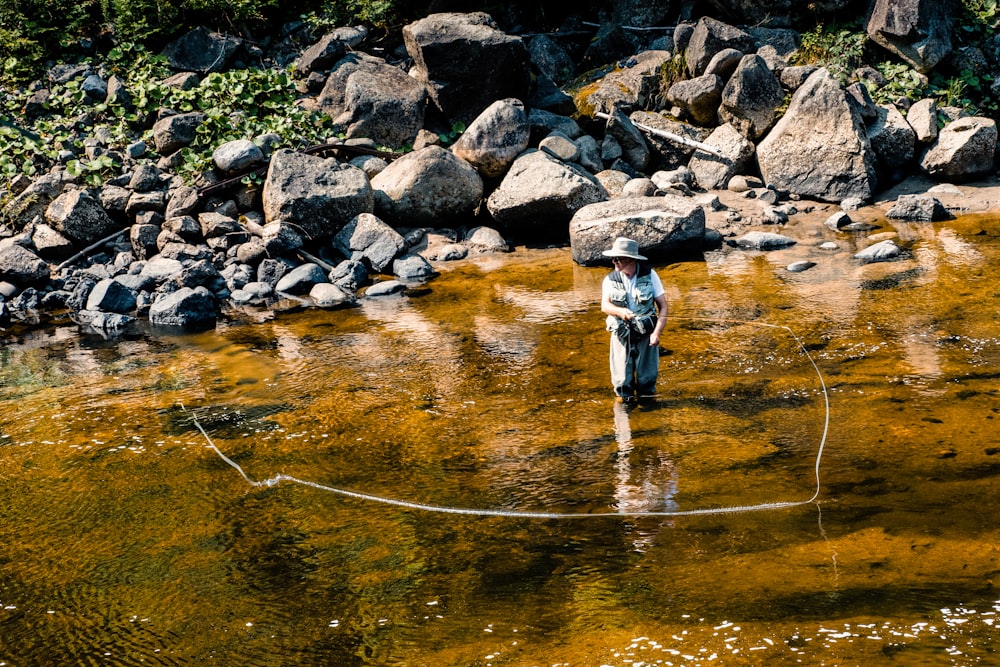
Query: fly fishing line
x=468 y=511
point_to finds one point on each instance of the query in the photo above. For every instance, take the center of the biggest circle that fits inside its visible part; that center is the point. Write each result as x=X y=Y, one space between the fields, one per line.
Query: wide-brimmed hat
x=623 y=247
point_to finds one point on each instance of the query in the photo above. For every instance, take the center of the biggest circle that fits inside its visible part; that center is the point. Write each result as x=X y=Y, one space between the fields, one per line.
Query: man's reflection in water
x=646 y=478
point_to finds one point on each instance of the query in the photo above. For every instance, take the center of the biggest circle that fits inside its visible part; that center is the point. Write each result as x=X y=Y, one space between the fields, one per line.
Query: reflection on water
x=127 y=540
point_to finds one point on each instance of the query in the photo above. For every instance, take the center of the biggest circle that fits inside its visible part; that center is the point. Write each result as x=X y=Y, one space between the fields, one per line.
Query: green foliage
x=241 y=104
x=456 y=131
x=977 y=19
x=377 y=13
x=840 y=49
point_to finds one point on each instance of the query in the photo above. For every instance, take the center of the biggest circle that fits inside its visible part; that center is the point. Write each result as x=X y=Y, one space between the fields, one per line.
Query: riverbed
x=443 y=477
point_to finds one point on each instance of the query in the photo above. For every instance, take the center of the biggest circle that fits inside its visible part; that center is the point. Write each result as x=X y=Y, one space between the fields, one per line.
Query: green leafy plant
x=840 y=49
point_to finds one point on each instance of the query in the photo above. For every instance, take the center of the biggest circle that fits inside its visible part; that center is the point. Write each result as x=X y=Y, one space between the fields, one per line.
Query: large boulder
x=893 y=141
x=201 y=50
x=368 y=238
x=467 y=62
x=918 y=31
x=319 y=195
x=187 y=307
x=497 y=136
x=176 y=132
x=964 y=150
x=711 y=36
x=21 y=266
x=635 y=151
x=699 y=97
x=632 y=87
x=661 y=225
x=367 y=97
x=713 y=172
x=542 y=192
x=329 y=49
x=751 y=98
x=80 y=217
x=820 y=146
x=426 y=186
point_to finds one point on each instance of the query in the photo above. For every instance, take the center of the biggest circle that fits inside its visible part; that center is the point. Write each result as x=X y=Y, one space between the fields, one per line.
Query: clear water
x=126 y=540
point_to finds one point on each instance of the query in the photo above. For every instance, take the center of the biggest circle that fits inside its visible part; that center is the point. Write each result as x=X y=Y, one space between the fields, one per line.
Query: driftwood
x=93 y=246
x=676 y=138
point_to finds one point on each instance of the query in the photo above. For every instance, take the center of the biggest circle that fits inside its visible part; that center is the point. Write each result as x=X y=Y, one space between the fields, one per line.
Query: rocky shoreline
x=715 y=157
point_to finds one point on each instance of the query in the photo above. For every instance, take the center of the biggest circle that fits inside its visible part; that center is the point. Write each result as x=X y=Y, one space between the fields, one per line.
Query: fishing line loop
x=468 y=511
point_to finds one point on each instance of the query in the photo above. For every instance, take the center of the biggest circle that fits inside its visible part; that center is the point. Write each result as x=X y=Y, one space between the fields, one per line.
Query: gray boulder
x=893 y=141
x=711 y=36
x=757 y=240
x=175 y=132
x=922 y=117
x=551 y=59
x=820 y=146
x=329 y=49
x=630 y=88
x=319 y=195
x=50 y=244
x=660 y=225
x=495 y=138
x=367 y=97
x=426 y=186
x=80 y=217
x=187 y=307
x=918 y=31
x=367 y=237
x=328 y=295
x=634 y=149
x=201 y=50
x=713 y=172
x=237 y=157
x=918 y=208
x=751 y=98
x=541 y=191
x=301 y=279
x=467 y=62
x=111 y=296
x=964 y=150
x=882 y=251
x=412 y=267
x=21 y=266
x=699 y=97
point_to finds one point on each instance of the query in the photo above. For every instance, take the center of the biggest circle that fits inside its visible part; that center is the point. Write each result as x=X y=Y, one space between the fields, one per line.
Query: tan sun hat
x=623 y=247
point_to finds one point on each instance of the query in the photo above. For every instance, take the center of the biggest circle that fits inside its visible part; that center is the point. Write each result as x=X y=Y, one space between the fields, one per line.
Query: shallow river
x=851 y=410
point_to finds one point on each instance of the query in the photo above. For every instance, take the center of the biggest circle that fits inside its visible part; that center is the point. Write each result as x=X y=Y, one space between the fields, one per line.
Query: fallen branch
x=94 y=246
x=676 y=138
x=315 y=260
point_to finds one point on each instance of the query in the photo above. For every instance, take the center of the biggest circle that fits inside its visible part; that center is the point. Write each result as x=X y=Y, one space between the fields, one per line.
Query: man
x=632 y=297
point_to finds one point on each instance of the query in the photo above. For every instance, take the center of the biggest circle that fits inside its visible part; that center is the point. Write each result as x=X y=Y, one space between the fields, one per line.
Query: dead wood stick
x=89 y=248
x=315 y=260
x=676 y=138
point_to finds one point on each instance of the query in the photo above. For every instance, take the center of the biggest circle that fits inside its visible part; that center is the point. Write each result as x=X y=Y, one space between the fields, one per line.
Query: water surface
x=128 y=540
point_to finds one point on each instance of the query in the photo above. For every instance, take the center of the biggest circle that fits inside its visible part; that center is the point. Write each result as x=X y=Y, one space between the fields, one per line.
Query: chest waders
x=634 y=363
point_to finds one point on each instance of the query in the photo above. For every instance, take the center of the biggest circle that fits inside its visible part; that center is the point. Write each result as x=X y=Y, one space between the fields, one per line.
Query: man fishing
x=632 y=297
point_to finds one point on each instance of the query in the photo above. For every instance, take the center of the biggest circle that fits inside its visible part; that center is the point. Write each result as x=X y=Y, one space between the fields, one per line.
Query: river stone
x=751 y=98
x=319 y=195
x=918 y=208
x=328 y=295
x=763 y=241
x=186 y=307
x=21 y=266
x=799 y=267
x=879 y=252
x=367 y=237
x=237 y=157
x=301 y=279
x=542 y=192
x=660 y=225
x=495 y=138
x=385 y=288
x=713 y=172
x=964 y=150
x=80 y=217
x=111 y=296
x=411 y=267
x=426 y=186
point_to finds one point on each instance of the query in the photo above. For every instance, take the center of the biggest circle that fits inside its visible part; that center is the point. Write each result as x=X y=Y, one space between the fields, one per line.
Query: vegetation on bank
x=123 y=36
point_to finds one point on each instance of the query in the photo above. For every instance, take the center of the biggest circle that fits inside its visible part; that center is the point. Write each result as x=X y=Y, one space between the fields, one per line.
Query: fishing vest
x=644 y=303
